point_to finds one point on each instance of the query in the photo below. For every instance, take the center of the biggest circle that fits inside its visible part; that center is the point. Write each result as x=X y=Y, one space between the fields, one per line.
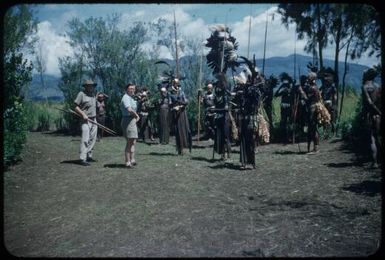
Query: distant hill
x=52 y=91
x=274 y=65
x=277 y=65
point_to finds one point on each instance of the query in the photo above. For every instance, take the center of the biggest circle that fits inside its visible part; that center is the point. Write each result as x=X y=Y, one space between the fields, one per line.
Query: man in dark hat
x=371 y=96
x=85 y=105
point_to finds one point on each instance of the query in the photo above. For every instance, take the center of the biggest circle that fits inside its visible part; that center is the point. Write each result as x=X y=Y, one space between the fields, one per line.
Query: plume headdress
x=168 y=77
x=223 y=46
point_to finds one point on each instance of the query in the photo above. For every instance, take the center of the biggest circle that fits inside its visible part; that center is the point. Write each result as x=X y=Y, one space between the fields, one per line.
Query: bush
x=15 y=133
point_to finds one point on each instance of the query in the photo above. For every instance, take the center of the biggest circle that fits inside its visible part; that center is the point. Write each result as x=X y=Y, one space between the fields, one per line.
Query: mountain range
x=274 y=65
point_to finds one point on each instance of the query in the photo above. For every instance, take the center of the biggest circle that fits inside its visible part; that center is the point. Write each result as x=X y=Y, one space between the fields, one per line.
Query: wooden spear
x=176 y=49
x=110 y=131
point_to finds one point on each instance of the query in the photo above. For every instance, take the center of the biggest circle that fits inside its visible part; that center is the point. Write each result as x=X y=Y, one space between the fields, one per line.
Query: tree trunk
x=336 y=59
x=319 y=37
x=346 y=68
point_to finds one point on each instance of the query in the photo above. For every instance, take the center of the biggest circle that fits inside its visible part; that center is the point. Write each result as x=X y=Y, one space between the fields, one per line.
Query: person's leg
x=309 y=136
x=84 y=141
x=92 y=138
x=127 y=152
x=316 y=140
x=132 y=151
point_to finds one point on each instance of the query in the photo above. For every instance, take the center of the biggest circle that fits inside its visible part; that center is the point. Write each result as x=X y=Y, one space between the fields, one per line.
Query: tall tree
x=19 y=27
x=362 y=31
x=111 y=56
x=311 y=21
x=339 y=24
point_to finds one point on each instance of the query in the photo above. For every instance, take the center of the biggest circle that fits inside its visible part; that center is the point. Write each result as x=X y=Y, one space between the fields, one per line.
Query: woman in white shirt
x=128 y=107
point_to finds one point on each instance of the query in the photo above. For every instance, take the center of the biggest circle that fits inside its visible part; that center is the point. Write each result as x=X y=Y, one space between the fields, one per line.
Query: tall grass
x=43 y=116
x=351 y=107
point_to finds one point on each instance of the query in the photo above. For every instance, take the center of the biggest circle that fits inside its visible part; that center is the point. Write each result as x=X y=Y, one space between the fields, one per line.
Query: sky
x=192 y=20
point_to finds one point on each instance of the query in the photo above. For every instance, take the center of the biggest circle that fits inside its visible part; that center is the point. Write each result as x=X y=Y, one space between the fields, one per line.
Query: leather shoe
x=85 y=163
x=91 y=160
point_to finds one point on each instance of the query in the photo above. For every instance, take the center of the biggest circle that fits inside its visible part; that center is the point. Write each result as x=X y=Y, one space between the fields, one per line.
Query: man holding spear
x=85 y=105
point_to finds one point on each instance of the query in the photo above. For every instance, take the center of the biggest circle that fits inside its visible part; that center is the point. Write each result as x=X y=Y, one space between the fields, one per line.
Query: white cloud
x=54 y=46
x=280 y=41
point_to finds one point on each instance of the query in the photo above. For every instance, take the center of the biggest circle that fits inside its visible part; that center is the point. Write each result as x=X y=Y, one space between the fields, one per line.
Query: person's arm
x=132 y=112
x=78 y=110
x=370 y=101
x=278 y=92
x=302 y=93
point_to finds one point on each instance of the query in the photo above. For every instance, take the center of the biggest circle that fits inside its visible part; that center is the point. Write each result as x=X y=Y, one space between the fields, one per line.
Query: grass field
x=291 y=205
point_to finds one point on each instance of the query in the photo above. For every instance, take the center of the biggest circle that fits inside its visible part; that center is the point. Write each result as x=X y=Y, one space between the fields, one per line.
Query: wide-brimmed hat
x=89 y=82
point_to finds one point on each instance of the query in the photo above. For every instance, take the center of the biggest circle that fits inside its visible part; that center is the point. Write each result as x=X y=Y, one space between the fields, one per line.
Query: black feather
x=162 y=62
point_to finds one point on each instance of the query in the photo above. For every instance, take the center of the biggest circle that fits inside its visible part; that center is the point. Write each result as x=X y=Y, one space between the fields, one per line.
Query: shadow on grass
x=195 y=146
x=367 y=188
x=256 y=253
x=163 y=154
x=204 y=159
x=148 y=142
x=72 y=161
x=289 y=152
x=116 y=165
x=337 y=140
x=343 y=164
x=231 y=166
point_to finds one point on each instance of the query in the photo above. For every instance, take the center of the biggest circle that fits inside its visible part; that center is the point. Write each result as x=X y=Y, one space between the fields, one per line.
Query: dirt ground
x=291 y=205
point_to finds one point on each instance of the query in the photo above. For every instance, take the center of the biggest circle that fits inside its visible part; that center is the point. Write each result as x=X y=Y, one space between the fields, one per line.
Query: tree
x=19 y=26
x=311 y=21
x=340 y=24
x=110 y=56
x=72 y=70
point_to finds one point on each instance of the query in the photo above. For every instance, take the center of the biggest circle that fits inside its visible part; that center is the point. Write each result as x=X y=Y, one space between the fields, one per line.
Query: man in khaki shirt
x=85 y=103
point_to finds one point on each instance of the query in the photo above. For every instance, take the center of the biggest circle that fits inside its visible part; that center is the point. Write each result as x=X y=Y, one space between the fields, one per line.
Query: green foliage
x=15 y=132
x=70 y=85
x=44 y=116
x=19 y=28
x=17 y=72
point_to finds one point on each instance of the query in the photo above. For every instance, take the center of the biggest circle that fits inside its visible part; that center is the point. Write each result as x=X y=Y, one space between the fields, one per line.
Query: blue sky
x=194 y=20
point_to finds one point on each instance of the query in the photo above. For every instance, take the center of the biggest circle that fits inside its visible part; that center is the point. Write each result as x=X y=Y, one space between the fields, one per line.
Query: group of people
x=135 y=106
x=229 y=115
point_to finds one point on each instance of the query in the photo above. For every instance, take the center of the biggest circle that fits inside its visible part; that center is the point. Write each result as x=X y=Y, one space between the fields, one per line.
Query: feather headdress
x=223 y=46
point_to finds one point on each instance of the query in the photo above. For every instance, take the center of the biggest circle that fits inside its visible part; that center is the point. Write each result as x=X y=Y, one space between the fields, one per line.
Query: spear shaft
x=110 y=131
x=248 y=44
x=176 y=48
x=264 y=46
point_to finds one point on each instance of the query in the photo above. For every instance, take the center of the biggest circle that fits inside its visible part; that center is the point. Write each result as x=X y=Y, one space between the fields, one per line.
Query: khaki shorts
x=129 y=128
